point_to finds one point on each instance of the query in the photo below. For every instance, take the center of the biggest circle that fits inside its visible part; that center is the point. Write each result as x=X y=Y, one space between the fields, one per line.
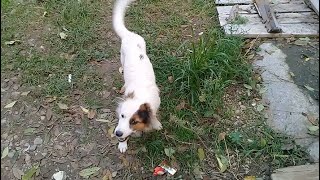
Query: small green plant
x=239 y=20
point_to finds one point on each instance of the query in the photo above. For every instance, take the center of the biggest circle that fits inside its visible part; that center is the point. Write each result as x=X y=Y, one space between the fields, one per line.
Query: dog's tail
x=119 y=12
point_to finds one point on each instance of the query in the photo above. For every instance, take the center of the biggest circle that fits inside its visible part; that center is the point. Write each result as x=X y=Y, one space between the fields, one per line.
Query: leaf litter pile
x=53 y=138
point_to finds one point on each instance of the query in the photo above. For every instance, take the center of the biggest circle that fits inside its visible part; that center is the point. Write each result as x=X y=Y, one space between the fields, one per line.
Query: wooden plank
x=256 y=28
x=305 y=172
x=280 y=8
x=232 y=2
x=283 y=18
x=314 y=4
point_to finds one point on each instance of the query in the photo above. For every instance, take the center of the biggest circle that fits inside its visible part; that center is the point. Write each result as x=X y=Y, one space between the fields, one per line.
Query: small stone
x=243 y=107
x=33 y=147
x=26 y=144
x=37 y=141
x=11 y=153
x=15 y=137
x=42 y=118
x=106 y=110
x=237 y=111
x=61 y=175
x=4 y=135
x=114 y=174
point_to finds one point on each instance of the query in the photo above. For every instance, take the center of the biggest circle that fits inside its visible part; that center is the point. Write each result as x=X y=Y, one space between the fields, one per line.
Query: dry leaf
x=5 y=152
x=48 y=114
x=44 y=14
x=10 y=105
x=9 y=42
x=222 y=136
x=292 y=74
x=120 y=70
x=17 y=172
x=63 y=35
x=181 y=105
x=222 y=162
x=249 y=178
x=170 y=79
x=91 y=114
x=62 y=106
x=111 y=130
x=201 y=154
x=169 y=152
x=50 y=99
x=84 y=109
x=25 y=93
x=86 y=173
x=107 y=176
x=103 y=120
x=309 y=88
x=312 y=119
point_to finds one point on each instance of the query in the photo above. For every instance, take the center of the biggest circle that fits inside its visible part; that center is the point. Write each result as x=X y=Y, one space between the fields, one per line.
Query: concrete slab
x=305 y=172
x=287 y=102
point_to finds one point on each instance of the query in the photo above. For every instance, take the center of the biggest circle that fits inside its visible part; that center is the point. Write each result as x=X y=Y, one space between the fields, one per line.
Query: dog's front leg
x=123 y=146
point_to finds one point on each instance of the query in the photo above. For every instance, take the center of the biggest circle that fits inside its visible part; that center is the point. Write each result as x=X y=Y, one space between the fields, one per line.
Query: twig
x=182 y=142
x=251 y=45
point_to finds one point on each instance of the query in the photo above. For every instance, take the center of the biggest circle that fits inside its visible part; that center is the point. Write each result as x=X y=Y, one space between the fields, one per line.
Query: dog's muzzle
x=122 y=139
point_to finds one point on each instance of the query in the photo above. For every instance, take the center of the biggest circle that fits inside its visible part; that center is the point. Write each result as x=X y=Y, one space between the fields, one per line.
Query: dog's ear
x=144 y=113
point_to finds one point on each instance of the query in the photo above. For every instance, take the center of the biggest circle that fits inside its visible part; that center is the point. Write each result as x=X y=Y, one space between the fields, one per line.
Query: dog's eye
x=122 y=115
x=133 y=122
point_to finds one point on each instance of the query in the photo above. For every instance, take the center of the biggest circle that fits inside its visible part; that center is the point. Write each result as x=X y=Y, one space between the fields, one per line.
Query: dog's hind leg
x=156 y=124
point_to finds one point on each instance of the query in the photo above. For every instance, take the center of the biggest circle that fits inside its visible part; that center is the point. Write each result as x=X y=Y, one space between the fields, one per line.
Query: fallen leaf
x=103 y=120
x=260 y=107
x=50 y=99
x=49 y=114
x=169 y=152
x=201 y=154
x=111 y=130
x=17 y=173
x=292 y=74
x=309 y=88
x=302 y=41
x=86 y=173
x=5 y=152
x=170 y=79
x=262 y=90
x=247 y=86
x=263 y=142
x=29 y=131
x=29 y=173
x=181 y=105
x=197 y=172
x=307 y=59
x=221 y=136
x=312 y=119
x=63 y=35
x=313 y=128
x=84 y=109
x=120 y=70
x=10 y=105
x=91 y=114
x=249 y=178
x=25 y=93
x=251 y=56
x=62 y=106
x=202 y=98
x=44 y=14
x=9 y=42
x=222 y=162
x=107 y=176
x=114 y=174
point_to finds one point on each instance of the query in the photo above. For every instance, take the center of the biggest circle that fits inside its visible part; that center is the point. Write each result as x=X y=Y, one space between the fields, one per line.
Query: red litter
x=164 y=168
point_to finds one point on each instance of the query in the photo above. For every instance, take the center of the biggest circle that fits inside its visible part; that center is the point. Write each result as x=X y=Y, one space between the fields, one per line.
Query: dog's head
x=133 y=116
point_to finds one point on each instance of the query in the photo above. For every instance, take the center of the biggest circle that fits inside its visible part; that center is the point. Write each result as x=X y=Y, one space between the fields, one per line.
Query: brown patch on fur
x=141 y=119
x=130 y=95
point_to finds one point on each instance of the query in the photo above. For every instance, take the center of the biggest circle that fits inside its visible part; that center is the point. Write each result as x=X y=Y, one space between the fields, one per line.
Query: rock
x=33 y=147
x=11 y=153
x=37 y=141
x=61 y=175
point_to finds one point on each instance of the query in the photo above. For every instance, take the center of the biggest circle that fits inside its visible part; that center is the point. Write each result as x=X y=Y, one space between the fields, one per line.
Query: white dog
x=137 y=112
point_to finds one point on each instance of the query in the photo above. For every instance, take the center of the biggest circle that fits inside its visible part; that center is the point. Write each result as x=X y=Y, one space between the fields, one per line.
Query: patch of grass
x=50 y=65
x=203 y=67
x=239 y=20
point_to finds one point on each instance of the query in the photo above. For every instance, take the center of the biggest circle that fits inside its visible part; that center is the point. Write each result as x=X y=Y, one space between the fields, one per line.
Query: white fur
x=138 y=75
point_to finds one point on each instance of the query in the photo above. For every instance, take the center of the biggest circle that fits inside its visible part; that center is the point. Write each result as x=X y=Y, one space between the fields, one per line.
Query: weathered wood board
x=294 y=17
x=304 y=172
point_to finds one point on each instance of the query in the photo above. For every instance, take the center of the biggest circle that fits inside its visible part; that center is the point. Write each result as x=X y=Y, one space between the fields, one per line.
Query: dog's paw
x=157 y=125
x=123 y=146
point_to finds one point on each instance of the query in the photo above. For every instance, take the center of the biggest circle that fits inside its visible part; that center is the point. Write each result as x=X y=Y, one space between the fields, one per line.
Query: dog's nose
x=119 y=133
